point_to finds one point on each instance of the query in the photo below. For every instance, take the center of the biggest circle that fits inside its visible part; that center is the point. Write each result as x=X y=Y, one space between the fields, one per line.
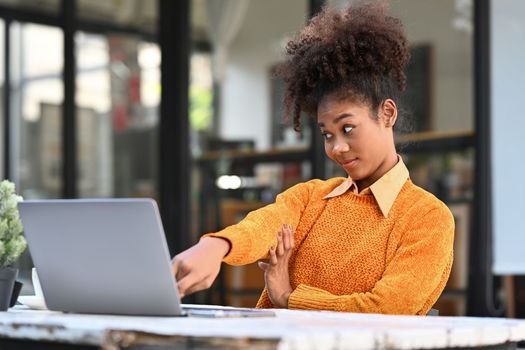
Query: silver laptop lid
x=101 y=256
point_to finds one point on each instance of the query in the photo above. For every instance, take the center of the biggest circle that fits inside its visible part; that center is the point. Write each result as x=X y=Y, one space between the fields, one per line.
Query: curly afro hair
x=359 y=53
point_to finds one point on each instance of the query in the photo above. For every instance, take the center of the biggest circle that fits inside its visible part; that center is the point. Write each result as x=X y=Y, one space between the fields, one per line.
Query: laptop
x=106 y=256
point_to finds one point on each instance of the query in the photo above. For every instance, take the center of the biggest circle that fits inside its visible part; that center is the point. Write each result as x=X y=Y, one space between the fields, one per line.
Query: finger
x=286 y=239
x=280 y=245
x=263 y=266
x=175 y=264
x=292 y=239
x=183 y=270
x=273 y=256
x=197 y=287
x=187 y=283
x=179 y=268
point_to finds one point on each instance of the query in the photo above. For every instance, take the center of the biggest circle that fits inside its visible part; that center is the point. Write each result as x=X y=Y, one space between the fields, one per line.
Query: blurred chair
x=433 y=312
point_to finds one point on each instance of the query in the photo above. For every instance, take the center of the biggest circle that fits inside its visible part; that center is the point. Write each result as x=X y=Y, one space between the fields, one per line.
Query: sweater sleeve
x=412 y=281
x=252 y=237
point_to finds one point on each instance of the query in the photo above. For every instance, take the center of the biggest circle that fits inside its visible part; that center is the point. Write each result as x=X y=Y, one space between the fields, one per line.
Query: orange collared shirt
x=384 y=190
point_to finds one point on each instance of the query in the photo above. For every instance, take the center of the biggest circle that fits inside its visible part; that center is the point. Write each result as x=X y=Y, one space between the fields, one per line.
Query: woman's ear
x=389 y=112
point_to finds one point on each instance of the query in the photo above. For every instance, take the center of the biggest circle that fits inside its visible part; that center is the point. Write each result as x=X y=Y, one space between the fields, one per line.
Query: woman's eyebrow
x=337 y=119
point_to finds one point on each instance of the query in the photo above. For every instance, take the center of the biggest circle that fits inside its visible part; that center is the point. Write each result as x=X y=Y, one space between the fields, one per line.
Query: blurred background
x=175 y=100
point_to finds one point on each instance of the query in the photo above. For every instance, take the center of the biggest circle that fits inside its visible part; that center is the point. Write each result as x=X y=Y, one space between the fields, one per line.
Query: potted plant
x=12 y=243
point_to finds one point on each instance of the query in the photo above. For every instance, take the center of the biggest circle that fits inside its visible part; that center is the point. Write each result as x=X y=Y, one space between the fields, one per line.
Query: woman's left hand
x=276 y=275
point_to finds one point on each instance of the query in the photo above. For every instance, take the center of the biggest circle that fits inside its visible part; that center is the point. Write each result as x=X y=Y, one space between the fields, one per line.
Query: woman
x=373 y=242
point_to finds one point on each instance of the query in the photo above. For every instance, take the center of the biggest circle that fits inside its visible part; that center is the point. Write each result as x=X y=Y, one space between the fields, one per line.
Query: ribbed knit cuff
x=239 y=247
x=308 y=298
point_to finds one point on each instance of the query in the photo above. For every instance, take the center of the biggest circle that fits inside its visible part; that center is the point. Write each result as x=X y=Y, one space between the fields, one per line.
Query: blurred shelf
x=253 y=157
x=435 y=141
x=416 y=142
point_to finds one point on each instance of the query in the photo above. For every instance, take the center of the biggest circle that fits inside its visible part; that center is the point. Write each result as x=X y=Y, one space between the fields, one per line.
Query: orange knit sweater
x=348 y=256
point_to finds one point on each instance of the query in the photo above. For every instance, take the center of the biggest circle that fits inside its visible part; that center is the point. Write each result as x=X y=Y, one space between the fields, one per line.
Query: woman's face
x=357 y=139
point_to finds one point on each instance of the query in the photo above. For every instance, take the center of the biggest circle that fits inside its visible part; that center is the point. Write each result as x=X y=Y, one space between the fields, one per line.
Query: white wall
x=245 y=95
x=507 y=133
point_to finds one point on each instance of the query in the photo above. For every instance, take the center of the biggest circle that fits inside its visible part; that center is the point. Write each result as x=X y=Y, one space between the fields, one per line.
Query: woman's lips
x=349 y=163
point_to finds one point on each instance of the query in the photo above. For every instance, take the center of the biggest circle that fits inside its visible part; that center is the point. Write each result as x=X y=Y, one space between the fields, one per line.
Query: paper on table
x=33 y=302
x=36 y=301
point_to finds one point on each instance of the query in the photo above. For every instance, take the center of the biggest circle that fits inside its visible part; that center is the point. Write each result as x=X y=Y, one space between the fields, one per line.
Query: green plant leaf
x=12 y=243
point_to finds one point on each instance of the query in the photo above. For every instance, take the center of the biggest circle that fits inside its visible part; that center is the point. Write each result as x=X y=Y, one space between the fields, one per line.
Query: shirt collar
x=384 y=190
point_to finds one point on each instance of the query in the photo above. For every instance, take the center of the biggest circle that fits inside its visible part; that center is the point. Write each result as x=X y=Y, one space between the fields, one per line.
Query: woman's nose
x=341 y=147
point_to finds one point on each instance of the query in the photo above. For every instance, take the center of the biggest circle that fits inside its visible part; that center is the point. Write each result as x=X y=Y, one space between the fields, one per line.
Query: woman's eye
x=326 y=136
x=348 y=128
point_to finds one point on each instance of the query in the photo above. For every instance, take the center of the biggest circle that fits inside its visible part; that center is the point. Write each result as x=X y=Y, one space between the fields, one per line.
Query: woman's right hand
x=196 y=268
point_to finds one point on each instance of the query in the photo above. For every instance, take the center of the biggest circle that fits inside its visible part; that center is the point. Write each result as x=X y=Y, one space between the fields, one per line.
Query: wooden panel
x=243 y=284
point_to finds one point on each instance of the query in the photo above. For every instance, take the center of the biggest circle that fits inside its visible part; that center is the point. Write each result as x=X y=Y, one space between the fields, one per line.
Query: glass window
x=201 y=93
x=49 y=6
x=118 y=96
x=36 y=101
x=140 y=15
x=2 y=78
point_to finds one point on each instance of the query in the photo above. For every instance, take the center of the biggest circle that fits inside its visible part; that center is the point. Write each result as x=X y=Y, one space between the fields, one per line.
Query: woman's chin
x=353 y=172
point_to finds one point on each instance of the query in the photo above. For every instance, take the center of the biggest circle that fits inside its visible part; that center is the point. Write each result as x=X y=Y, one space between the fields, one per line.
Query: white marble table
x=288 y=330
